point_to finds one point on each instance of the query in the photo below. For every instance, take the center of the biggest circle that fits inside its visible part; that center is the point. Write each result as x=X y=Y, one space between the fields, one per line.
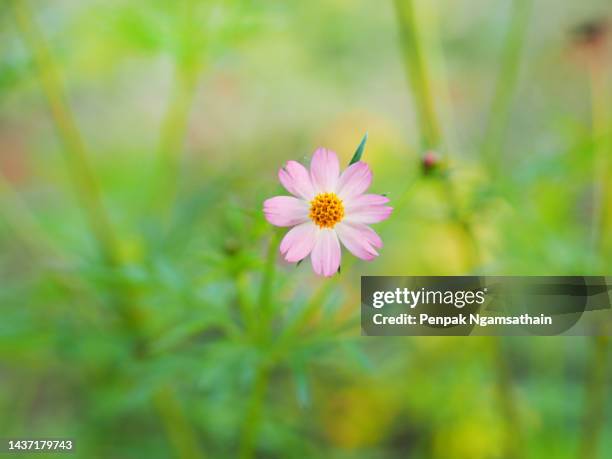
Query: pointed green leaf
x=302 y=386
x=359 y=151
x=354 y=352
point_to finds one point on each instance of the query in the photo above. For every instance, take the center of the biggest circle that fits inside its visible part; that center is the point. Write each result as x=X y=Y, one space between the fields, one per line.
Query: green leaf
x=354 y=352
x=359 y=151
x=302 y=386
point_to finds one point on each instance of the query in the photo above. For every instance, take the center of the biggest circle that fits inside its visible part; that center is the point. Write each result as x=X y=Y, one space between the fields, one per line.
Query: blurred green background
x=145 y=311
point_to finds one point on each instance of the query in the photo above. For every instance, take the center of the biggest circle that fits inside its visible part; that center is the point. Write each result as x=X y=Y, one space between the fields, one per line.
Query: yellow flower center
x=326 y=209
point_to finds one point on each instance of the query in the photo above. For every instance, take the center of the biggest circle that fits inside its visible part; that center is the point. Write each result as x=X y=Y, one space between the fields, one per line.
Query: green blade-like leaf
x=302 y=385
x=359 y=151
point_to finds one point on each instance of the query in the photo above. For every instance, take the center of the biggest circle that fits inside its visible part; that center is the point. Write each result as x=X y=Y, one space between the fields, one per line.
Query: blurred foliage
x=199 y=341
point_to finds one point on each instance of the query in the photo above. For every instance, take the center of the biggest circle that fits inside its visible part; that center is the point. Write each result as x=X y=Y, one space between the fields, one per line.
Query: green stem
x=253 y=415
x=242 y=287
x=506 y=83
x=462 y=223
x=413 y=57
x=267 y=281
x=83 y=178
x=84 y=181
x=402 y=199
x=179 y=430
x=602 y=174
x=416 y=67
x=23 y=224
x=415 y=63
x=308 y=312
x=596 y=392
x=513 y=433
x=176 y=119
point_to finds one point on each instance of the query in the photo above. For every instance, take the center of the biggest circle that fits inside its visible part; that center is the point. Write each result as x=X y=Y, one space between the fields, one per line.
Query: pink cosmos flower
x=327 y=208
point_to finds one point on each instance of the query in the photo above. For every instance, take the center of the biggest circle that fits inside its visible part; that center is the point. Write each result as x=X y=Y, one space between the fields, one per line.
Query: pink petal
x=296 y=180
x=354 y=180
x=359 y=239
x=325 y=255
x=298 y=242
x=375 y=214
x=324 y=170
x=285 y=210
x=365 y=200
x=367 y=208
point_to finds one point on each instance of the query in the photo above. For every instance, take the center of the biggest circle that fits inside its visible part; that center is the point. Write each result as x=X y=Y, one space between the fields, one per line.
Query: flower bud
x=591 y=34
x=591 y=41
x=430 y=162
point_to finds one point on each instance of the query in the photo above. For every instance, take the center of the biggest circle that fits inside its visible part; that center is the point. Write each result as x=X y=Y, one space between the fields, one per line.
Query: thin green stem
x=82 y=174
x=85 y=185
x=513 y=432
x=245 y=304
x=253 y=417
x=399 y=203
x=308 y=312
x=596 y=385
x=267 y=281
x=602 y=174
x=176 y=119
x=179 y=430
x=413 y=57
x=416 y=67
x=596 y=392
x=254 y=412
x=506 y=83
x=23 y=223
x=462 y=223
x=83 y=178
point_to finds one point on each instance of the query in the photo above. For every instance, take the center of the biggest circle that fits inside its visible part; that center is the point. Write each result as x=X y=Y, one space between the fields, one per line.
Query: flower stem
x=83 y=178
x=176 y=119
x=602 y=174
x=254 y=413
x=180 y=432
x=308 y=312
x=245 y=304
x=596 y=385
x=266 y=288
x=23 y=223
x=596 y=391
x=262 y=331
x=416 y=67
x=506 y=83
x=513 y=433
x=86 y=187
x=415 y=63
